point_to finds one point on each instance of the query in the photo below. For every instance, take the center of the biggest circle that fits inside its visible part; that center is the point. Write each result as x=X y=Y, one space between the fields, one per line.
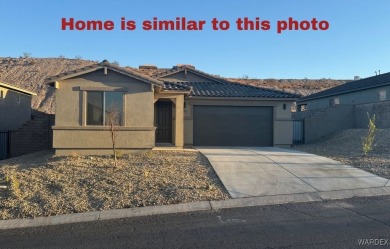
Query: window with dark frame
x=103 y=107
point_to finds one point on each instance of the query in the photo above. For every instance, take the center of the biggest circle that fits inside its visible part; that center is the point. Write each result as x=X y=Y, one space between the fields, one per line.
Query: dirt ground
x=42 y=184
x=346 y=146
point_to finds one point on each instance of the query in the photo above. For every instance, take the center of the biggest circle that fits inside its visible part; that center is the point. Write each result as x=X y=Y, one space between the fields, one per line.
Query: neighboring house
x=15 y=107
x=178 y=107
x=368 y=90
x=346 y=106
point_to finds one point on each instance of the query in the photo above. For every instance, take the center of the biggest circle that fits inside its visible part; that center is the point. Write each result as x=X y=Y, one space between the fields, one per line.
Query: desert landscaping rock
x=43 y=185
x=346 y=146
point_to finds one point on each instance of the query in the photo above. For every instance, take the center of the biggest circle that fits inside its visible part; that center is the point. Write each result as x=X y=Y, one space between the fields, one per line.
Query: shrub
x=120 y=153
x=26 y=55
x=368 y=140
x=15 y=186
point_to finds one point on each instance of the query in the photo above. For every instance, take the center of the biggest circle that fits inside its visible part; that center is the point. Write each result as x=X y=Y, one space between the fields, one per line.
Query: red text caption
x=184 y=24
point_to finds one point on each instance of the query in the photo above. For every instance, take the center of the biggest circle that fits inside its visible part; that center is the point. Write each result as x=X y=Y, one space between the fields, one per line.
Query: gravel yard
x=346 y=146
x=42 y=184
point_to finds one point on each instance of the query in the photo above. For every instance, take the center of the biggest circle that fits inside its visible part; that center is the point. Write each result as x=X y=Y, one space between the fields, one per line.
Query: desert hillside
x=302 y=87
x=30 y=73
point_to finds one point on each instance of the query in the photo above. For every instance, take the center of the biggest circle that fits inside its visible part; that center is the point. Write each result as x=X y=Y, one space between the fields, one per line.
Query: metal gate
x=298 y=131
x=4 y=145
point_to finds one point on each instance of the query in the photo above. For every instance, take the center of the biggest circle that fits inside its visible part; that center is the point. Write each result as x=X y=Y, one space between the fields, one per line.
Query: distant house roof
x=16 y=89
x=353 y=86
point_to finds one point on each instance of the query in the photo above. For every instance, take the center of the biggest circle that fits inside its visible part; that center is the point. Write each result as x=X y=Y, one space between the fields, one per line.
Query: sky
x=355 y=44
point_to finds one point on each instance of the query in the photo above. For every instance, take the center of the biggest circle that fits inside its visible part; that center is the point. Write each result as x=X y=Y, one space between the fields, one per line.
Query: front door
x=164 y=122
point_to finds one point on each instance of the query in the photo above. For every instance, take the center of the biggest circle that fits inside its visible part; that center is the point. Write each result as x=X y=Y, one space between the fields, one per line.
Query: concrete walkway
x=270 y=171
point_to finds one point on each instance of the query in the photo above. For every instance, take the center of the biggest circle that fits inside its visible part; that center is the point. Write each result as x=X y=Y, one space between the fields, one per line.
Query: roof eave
x=176 y=91
x=244 y=98
x=64 y=76
x=17 y=89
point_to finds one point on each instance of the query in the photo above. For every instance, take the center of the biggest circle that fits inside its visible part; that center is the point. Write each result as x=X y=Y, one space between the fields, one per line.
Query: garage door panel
x=233 y=126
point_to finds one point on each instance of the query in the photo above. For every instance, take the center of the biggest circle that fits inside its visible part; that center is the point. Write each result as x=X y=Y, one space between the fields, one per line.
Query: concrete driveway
x=268 y=171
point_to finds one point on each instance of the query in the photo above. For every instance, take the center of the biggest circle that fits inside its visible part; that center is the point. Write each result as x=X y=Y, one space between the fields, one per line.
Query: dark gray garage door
x=232 y=126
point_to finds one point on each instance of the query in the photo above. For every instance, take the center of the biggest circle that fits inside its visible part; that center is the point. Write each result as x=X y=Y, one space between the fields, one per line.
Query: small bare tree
x=244 y=77
x=113 y=120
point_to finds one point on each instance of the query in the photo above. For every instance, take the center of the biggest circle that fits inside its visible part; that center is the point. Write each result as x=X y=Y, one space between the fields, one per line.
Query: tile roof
x=353 y=86
x=176 y=86
x=218 y=88
x=229 y=89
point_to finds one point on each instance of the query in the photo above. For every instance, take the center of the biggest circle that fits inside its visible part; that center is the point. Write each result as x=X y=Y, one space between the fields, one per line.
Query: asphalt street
x=351 y=223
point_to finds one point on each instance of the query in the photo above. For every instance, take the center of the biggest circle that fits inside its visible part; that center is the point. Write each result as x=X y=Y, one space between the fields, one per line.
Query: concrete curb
x=344 y=194
x=264 y=200
x=153 y=210
x=191 y=207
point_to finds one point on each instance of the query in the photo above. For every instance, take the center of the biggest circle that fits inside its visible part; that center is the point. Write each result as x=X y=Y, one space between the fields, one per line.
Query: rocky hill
x=302 y=87
x=30 y=73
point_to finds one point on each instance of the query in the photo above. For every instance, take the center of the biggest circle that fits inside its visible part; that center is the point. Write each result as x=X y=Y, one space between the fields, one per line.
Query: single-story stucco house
x=363 y=91
x=15 y=107
x=180 y=107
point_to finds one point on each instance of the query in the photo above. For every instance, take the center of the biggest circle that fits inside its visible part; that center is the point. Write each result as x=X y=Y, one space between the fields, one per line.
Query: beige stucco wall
x=282 y=129
x=71 y=132
x=100 y=139
x=13 y=114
